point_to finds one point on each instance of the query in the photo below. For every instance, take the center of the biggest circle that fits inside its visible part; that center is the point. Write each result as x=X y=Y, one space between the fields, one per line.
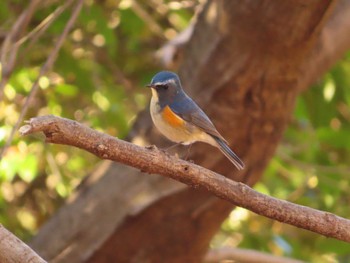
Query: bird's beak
x=149 y=86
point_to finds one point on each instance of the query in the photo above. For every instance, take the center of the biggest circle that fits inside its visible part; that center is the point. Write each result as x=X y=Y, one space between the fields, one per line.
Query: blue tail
x=225 y=149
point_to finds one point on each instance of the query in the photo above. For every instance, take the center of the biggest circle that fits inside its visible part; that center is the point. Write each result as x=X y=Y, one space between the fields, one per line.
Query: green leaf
x=67 y=90
x=28 y=168
x=338 y=139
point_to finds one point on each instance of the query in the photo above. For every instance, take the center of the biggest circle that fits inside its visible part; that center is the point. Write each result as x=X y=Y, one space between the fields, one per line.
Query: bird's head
x=165 y=86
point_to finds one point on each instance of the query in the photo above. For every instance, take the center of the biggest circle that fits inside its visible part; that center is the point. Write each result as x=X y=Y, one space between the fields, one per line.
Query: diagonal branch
x=151 y=160
x=7 y=58
x=12 y=249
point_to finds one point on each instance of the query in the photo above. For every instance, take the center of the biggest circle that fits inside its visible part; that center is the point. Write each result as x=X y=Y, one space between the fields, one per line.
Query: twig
x=41 y=28
x=321 y=168
x=151 y=160
x=36 y=33
x=12 y=249
x=152 y=24
x=8 y=59
x=244 y=256
x=117 y=74
x=44 y=69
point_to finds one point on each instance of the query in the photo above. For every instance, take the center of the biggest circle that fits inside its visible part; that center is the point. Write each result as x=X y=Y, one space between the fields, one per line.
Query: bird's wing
x=188 y=110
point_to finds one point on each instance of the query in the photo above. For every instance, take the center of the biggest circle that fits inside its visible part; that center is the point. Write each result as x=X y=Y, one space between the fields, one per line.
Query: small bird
x=180 y=119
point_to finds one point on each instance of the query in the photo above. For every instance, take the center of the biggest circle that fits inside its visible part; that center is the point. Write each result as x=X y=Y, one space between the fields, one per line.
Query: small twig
x=152 y=24
x=117 y=74
x=41 y=28
x=37 y=32
x=151 y=160
x=8 y=59
x=44 y=69
x=12 y=249
x=320 y=168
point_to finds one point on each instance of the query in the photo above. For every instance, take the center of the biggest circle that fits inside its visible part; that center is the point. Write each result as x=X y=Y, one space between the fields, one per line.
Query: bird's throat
x=155 y=95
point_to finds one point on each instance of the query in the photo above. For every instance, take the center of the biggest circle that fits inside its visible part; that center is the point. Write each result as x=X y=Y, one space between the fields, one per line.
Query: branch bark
x=13 y=250
x=151 y=160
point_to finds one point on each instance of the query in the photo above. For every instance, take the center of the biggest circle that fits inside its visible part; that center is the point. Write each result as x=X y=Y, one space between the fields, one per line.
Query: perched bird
x=180 y=119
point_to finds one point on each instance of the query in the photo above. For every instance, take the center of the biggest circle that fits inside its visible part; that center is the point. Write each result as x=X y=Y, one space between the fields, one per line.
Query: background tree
x=245 y=64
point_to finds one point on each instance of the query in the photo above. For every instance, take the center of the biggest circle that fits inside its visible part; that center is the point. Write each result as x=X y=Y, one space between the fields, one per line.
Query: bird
x=180 y=119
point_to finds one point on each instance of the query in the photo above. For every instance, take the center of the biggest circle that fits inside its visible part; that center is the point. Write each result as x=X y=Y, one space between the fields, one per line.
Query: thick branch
x=151 y=160
x=14 y=250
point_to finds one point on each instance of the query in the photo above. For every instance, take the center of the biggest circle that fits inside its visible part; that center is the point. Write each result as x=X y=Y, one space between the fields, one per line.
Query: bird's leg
x=172 y=146
x=188 y=151
x=177 y=144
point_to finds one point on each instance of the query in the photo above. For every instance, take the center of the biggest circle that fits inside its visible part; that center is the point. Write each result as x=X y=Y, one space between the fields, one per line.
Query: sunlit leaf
x=27 y=169
x=337 y=139
x=67 y=89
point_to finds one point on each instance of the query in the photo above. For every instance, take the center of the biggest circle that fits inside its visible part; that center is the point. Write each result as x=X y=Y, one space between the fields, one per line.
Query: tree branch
x=152 y=160
x=8 y=59
x=12 y=249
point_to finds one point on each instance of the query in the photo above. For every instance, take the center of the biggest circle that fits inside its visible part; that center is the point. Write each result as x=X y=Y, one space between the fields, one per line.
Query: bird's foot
x=151 y=147
x=188 y=152
x=172 y=146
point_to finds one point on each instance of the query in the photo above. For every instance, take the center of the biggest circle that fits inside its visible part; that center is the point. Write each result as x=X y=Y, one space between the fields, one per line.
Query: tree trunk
x=245 y=64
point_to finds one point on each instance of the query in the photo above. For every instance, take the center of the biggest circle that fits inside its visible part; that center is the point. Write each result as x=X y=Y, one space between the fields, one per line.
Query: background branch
x=12 y=249
x=151 y=160
x=7 y=58
x=244 y=256
x=44 y=69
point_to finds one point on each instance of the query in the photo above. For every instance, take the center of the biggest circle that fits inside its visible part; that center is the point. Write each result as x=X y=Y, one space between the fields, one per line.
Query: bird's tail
x=225 y=149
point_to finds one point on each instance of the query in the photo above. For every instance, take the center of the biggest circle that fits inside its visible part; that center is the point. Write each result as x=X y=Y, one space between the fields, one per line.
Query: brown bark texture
x=13 y=250
x=245 y=64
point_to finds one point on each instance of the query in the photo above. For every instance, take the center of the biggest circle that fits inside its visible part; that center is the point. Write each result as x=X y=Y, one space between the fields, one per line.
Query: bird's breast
x=174 y=127
x=171 y=118
x=167 y=122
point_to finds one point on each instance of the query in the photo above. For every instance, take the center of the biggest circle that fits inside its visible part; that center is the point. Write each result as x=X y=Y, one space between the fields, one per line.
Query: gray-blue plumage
x=167 y=91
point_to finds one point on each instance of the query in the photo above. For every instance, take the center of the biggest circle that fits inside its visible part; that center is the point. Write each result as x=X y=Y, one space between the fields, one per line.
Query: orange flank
x=171 y=118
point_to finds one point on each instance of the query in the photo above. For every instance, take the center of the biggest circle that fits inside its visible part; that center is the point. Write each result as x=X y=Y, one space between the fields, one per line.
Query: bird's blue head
x=165 y=78
x=166 y=86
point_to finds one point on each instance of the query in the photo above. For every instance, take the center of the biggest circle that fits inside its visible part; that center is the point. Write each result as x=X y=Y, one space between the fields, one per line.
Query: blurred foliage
x=98 y=79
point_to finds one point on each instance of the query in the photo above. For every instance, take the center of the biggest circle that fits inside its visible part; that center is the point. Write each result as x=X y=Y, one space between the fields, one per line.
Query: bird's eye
x=162 y=86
